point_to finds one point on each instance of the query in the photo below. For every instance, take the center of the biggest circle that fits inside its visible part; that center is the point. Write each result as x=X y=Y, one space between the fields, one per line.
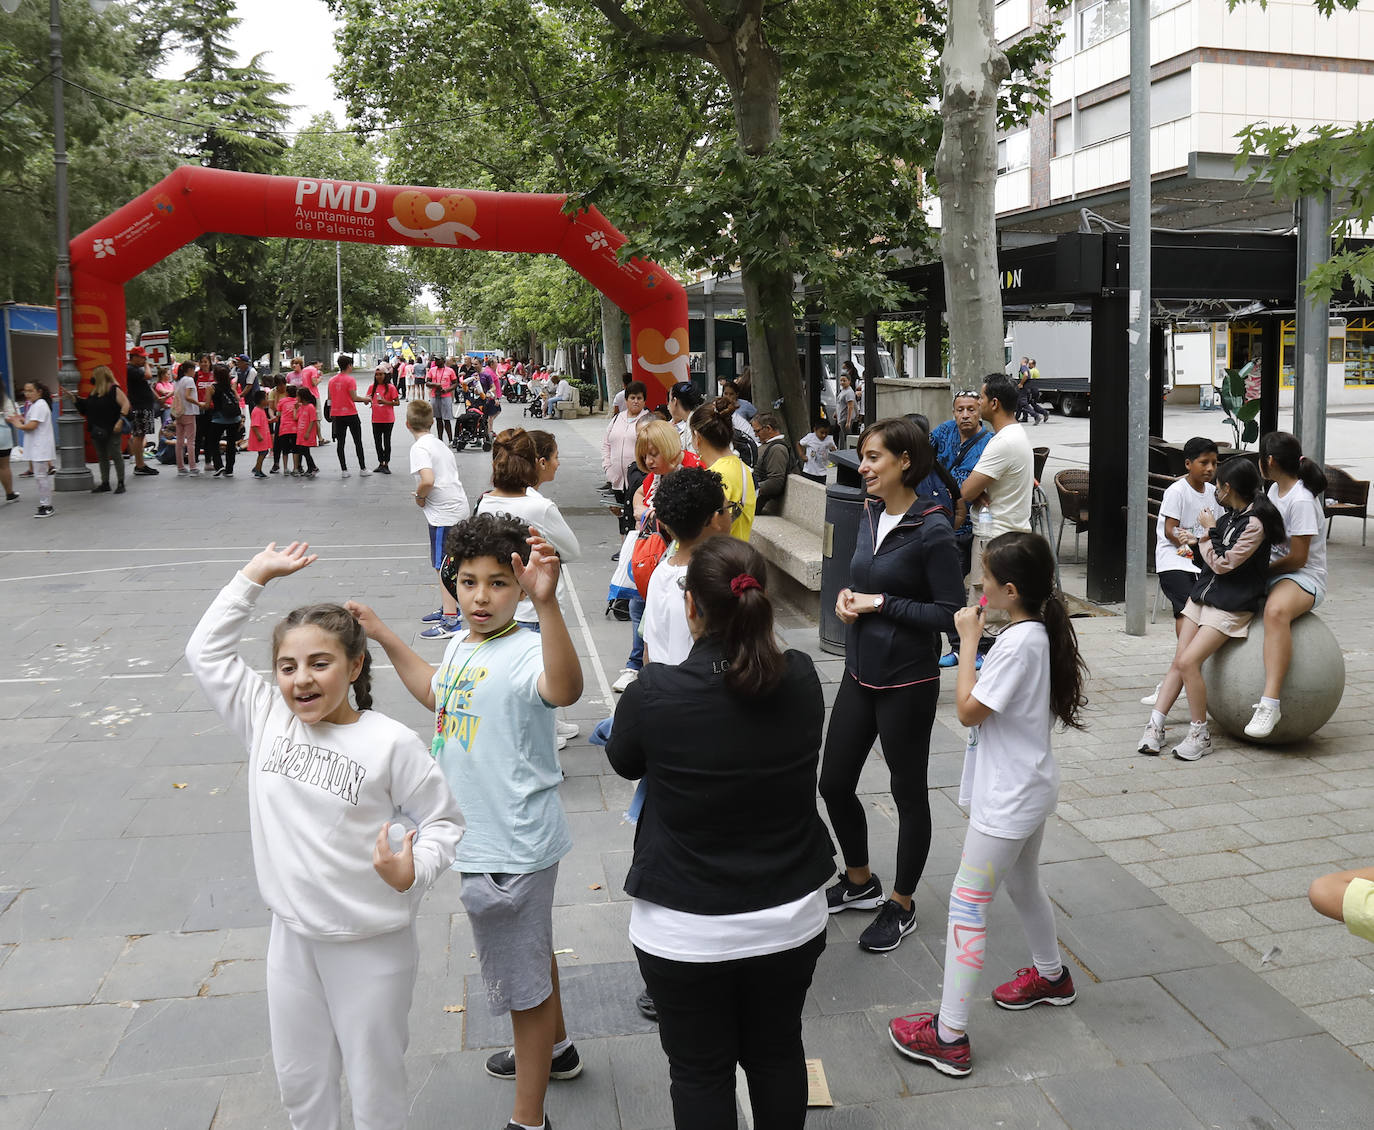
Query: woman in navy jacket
x=906 y=583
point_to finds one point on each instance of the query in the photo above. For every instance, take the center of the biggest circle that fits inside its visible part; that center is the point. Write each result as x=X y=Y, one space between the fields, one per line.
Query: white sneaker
x=566 y=729
x=1152 y=698
x=1152 y=740
x=1197 y=745
x=562 y=742
x=1262 y=724
x=364 y=471
x=344 y=475
x=626 y=678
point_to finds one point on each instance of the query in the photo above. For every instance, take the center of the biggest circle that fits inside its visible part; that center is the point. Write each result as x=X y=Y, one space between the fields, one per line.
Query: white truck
x=1063 y=352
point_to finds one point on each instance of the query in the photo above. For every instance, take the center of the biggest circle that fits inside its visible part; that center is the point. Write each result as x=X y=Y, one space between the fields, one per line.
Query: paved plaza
x=132 y=936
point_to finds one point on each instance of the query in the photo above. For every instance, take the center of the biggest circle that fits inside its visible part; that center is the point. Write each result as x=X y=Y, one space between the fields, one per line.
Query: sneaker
x=886 y=932
x=43 y=512
x=432 y=617
x=917 y=1037
x=561 y=743
x=344 y=474
x=276 y=471
x=844 y=895
x=195 y=471
x=258 y=474
x=119 y=489
x=145 y=470
x=364 y=471
x=949 y=659
x=183 y=471
x=647 y=1009
x=1262 y=723
x=1153 y=697
x=1152 y=740
x=443 y=630
x=626 y=678
x=1029 y=988
x=11 y=497
x=1197 y=745
x=548 y=1123
x=103 y=488
x=566 y=1065
x=566 y=729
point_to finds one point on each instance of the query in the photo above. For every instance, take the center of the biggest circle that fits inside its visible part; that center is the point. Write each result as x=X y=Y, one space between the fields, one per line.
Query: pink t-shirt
x=309 y=377
x=259 y=438
x=384 y=398
x=446 y=379
x=342 y=389
x=307 y=426
x=286 y=416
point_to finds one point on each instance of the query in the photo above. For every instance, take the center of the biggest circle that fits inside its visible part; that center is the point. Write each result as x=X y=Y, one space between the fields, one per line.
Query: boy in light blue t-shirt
x=494 y=697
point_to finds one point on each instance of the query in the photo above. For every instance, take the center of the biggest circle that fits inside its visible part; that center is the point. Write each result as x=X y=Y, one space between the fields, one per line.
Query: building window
x=1170 y=99
x=1359 y=352
x=1063 y=135
x=1106 y=18
x=1013 y=151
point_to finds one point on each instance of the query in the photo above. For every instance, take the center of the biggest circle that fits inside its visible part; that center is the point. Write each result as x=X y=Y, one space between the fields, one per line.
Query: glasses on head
x=966 y=392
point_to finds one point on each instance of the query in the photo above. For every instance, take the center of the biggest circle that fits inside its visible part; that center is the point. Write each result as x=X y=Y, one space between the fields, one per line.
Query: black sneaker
x=845 y=895
x=887 y=930
x=145 y=470
x=567 y=1065
x=548 y=1124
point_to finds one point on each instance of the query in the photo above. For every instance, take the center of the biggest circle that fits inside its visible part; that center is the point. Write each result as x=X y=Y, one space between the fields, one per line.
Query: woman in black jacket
x=905 y=586
x=104 y=408
x=226 y=419
x=731 y=857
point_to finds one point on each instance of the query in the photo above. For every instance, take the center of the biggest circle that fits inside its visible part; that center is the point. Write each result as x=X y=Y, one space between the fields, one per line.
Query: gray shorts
x=443 y=407
x=512 y=924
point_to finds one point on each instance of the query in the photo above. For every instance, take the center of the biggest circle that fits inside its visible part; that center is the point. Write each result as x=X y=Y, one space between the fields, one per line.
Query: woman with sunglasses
x=731 y=858
x=905 y=589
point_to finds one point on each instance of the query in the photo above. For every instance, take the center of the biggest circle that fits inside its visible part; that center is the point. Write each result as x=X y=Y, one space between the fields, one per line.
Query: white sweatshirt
x=318 y=795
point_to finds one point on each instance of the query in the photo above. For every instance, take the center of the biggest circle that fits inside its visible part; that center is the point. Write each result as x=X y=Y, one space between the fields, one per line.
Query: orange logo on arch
x=659 y=354
x=420 y=216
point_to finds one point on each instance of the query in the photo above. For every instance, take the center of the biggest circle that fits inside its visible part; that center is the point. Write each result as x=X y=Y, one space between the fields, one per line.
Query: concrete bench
x=792 y=540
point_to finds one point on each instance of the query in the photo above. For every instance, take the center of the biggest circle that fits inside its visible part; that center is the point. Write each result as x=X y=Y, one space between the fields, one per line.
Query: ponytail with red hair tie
x=743 y=583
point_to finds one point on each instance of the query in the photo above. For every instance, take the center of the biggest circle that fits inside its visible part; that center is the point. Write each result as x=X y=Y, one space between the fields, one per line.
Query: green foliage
x=1241 y=414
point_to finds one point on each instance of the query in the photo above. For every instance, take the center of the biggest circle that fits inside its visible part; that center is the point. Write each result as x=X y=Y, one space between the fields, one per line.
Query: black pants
x=230 y=434
x=202 y=436
x=307 y=459
x=714 y=1015
x=381 y=441
x=902 y=717
x=107 y=452
x=342 y=426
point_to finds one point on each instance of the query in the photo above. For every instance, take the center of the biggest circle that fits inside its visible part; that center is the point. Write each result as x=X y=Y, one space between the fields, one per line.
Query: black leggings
x=342 y=426
x=230 y=434
x=715 y=1014
x=902 y=717
x=381 y=441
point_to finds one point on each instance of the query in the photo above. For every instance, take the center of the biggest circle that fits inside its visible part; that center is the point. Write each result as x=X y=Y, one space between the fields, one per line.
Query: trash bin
x=843 y=508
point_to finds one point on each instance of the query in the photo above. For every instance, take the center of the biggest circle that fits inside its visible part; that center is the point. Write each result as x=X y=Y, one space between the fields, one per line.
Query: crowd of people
x=730 y=898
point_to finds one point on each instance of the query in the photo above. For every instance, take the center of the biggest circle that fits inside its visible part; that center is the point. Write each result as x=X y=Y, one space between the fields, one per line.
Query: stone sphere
x=1311 y=691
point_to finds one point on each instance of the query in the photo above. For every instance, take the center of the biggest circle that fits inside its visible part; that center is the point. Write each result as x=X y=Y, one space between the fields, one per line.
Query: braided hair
x=340 y=624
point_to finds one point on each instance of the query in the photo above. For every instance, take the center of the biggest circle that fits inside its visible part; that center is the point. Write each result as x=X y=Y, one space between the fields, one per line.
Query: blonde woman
x=105 y=409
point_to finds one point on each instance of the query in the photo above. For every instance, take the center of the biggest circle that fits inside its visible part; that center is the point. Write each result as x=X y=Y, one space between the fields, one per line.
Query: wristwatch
x=878 y=602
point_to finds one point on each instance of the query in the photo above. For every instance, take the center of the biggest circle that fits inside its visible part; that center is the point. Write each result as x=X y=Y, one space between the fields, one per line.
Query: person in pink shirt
x=259 y=436
x=442 y=378
x=343 y=414
x=383 y=395
x=285 y=449
x=307 y=430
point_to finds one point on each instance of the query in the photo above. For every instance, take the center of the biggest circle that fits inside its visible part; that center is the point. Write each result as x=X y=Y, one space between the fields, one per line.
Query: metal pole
x=244 y=311
x=73 y=473
x=1138 y=324
x=338 y=281
x=1309 y=397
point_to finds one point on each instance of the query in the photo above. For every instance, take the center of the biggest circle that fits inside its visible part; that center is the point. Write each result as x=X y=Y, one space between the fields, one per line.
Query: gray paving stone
x=1134 y=943
x=250 y=1102
x=162 y=965
x=1226 y=999
x=1350 y=1021
x=182 y=1104
x=1125 y=1098
x=596 y=933
x=1322 y=981
x=237 y=976
x=1140 y=1022
x=1211 y=894
x=21 y=1111
x=56 y=910
x=1197 y=868
x=224 y=903
x=856 y=1068
x=848 y=980
x=167 y=1038
x=1310 y=1081
x=1216 y=1094
x=639 y=1072
x=1088 y=886
x=47 y=1048
x=44 y=973
x=1122 y=827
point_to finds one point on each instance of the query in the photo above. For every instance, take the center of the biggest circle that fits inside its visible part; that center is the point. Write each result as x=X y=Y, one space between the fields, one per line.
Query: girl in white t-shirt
x=1031 y=677
x=1297 y=567
x=39 y=445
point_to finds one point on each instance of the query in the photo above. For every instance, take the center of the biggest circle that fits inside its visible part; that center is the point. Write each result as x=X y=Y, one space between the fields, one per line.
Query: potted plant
x=1241 y=414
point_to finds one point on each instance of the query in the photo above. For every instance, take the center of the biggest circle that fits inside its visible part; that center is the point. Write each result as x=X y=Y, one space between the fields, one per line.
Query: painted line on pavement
x=606 y=695
x=204 y=561
x=226 y=548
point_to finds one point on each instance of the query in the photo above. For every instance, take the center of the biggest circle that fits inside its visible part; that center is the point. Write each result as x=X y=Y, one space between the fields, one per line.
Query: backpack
x=746 y=447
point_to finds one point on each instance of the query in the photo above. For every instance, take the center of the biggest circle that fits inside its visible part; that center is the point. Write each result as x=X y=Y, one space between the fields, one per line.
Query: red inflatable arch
x=192 y=201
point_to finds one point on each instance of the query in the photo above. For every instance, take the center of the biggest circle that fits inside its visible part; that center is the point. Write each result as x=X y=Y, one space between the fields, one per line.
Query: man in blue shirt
x=958 y=443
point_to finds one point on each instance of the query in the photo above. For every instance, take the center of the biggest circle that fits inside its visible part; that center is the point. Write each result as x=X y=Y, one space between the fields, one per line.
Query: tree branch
x=545 y=115
x=711 y=28
x=642 y=37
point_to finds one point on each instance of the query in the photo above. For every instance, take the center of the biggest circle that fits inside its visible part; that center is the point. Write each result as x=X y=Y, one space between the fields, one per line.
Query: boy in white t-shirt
x=815 y=448
x=1183 y=501
x=439 y=492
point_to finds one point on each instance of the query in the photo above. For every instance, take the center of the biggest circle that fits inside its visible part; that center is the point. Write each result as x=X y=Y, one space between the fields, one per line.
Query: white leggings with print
x=987 y=863
x=42 y=479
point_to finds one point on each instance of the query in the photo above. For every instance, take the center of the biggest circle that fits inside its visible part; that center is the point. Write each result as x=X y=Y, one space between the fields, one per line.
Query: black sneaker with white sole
x=894 y=922
x=548 y=1124
x=844 y=895
x=566 y=1065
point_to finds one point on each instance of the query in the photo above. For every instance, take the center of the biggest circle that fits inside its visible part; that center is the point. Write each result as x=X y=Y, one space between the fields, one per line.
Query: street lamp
x=73 y=474
x=244 y=311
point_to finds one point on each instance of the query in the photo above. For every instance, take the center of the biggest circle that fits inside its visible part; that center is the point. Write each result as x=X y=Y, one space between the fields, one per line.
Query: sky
x=298 y=36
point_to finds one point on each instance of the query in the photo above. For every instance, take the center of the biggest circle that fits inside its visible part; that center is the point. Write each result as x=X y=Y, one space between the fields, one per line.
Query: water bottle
x=985 y=523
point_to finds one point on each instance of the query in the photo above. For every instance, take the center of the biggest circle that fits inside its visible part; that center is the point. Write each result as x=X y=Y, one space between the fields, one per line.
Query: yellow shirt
x=738 y=481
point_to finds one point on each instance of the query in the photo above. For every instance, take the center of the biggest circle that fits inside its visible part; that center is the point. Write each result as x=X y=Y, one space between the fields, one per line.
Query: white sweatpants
x=341 y=1006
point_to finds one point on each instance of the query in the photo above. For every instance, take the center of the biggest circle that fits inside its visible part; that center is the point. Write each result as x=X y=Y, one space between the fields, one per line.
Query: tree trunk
x=752 y=71
x=971 y=69
x=613 y=339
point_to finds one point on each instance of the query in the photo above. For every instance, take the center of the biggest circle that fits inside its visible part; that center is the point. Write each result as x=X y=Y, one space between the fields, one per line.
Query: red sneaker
x=916 y=1037
x=1028 y=988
